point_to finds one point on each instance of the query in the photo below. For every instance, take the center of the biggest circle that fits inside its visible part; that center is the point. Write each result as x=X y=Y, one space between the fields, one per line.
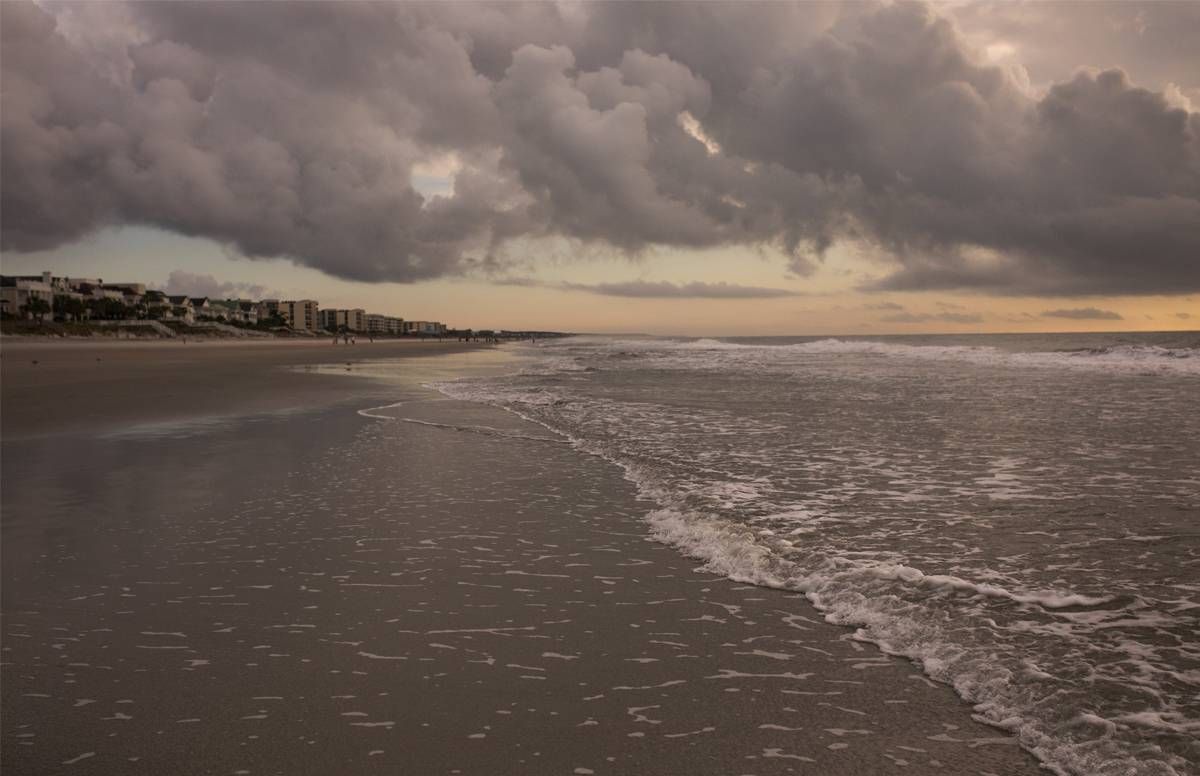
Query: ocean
x=1018 y=514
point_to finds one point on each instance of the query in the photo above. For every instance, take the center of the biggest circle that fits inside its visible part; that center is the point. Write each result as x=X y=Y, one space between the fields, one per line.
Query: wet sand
x=326 y=592
x=55 y=386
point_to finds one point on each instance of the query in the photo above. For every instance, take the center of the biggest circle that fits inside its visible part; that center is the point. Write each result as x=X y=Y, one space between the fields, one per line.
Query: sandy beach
x=53 y=386
x=215 y=563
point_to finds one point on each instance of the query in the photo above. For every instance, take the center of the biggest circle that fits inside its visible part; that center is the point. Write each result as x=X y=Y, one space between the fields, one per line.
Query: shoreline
x=64 y=386
x=332 y=592
x=32 y=341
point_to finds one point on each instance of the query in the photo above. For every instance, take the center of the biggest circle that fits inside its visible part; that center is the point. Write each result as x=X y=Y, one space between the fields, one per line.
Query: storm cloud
x=907 y=317
x=1083 y=314
x=312 y=131
x=656 y=289
x=666 y=290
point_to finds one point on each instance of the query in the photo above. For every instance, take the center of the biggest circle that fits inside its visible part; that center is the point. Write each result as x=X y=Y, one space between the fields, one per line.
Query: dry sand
x=323 y=592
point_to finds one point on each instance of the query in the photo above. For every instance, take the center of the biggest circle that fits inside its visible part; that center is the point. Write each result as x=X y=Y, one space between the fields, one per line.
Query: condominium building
x=424 y=327
x=268 y=308
x=384 y=324
x=344 y=320
x=301 y=314
x=356 y=320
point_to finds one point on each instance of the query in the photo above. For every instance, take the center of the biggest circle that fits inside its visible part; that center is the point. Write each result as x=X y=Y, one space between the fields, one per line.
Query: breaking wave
x=1030 y=653
x=1137 y=359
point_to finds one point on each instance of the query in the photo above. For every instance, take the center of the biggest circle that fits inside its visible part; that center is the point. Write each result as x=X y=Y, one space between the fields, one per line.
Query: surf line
x=373 y=412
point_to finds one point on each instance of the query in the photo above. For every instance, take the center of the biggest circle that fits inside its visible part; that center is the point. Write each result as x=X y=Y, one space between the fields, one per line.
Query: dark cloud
x=907 y=317
x=649 y=289
x=1154 y=41
x=299 y=129
x=190 y=284
x=1084 y=314
x=884 y=306
x=960 y=317
x=665 y=290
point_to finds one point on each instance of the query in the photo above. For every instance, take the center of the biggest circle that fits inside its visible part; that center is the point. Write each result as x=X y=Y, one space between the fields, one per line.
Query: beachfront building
x=384 y=324
x=268 y=308
x=301 y=314
x=247 y=311
x=83 y=298
x=181 y=309
x=157 y=305
x=70 y=305
x=425 y=328
x=64 y=291
x=221 y=310
x=344 y=320
x=202 y=309
x=234 y=310
x=128 y=289
x=79 y=285
x=58 y=284
x=17 y=294
x=98 y=292
x=132 y=293
x=356 y=319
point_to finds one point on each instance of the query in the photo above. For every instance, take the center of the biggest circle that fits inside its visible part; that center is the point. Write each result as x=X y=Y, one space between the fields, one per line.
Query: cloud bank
x=181 y=283
x=1084 y=314
x=310 y=131
x=907 y=317
x=666 y=290
x=650 y=289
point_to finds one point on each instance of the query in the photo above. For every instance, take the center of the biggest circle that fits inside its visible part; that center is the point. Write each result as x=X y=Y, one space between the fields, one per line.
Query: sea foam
x=975 y=629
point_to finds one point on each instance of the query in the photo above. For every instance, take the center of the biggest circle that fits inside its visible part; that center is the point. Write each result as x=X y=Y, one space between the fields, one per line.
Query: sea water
x=1018 y=514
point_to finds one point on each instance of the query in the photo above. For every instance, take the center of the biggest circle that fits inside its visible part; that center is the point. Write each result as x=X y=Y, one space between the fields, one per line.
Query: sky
x=670 y=168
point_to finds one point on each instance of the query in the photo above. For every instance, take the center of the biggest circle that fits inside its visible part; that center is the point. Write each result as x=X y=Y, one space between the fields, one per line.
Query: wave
x=1031 y=659
x=942 y=622
x=1009 y=693
x=1137 y=359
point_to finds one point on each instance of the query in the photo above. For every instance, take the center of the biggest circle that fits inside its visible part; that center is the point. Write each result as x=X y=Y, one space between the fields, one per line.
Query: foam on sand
x=854 y=472
x=980 y=674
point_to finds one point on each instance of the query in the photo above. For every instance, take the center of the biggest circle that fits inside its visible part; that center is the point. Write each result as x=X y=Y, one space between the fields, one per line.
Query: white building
x=301 y=314
x=181 y=309
x=344 y=320
x=16 y=293
x=384 y=324
x=247 y=310
x=203 y=309
x=239 y=310
x=132 y=293
x=424 y=328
